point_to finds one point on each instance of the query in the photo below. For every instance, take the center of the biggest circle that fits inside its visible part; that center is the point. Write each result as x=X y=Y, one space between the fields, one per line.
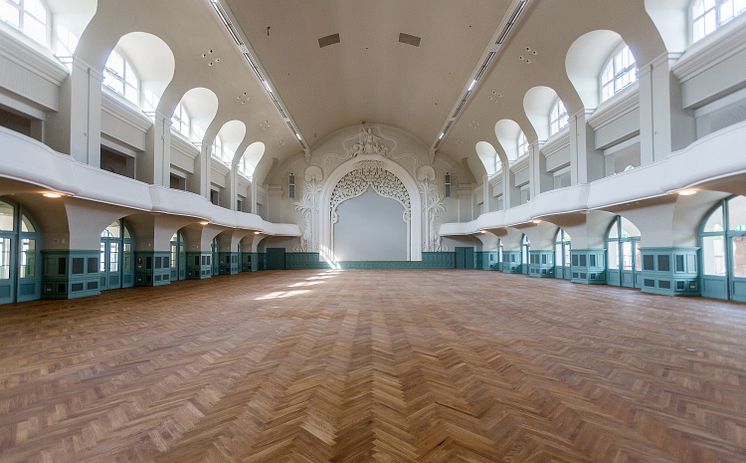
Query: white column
x=154 y=166
x=253 y=196
x=233 y=188
x=85 y=113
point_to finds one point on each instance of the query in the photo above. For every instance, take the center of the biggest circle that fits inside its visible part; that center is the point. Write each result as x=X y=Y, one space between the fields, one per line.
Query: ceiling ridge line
x=235 y=31
x=486 y=62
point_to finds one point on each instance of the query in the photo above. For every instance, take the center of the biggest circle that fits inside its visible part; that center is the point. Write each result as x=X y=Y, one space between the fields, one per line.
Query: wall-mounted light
x=483 y=232
x=204 y=222
x=52 y=194
x=687 y=192
x=257 y=233
x=536 y=221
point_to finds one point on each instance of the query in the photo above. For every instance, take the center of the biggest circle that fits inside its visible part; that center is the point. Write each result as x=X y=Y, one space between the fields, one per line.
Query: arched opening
x=178 y=257
x=250 y=159
x=194 y=114
x=623 y=261
x=562 y=248
x=508 y=133
x=20 y=255
x=723 y=255
x=488 y=155
x=116 y=257
x=70 y=18
x=540 y=105
x=139 y=69
x=226 y=143
x=587 y=59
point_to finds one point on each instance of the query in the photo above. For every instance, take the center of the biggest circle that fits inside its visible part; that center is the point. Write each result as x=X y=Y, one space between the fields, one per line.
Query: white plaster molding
x=44 y=65
x=124 y=111
x=711 y=50
x=616 y=107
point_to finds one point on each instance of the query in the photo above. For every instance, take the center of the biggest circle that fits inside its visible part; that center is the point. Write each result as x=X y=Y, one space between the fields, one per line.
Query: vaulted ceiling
x=369 y=75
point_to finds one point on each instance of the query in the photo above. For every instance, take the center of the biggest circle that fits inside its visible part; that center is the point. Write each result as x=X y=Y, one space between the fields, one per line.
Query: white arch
x=537 y=103
x=585 y=60
x=232 y=133
x=154 y=64
x=415 y=223
x=488 y=155
x=507 y=132
x=70 y=20
x=249 y=159
x=671 y=18
x=202 y=105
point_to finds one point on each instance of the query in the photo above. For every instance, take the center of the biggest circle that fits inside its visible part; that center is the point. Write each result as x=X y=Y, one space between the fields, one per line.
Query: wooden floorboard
x=373 y=366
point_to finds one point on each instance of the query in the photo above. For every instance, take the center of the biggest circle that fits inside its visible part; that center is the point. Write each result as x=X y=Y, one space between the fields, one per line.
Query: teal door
x=20 y=261
x=178 y=257
x=464 y=257
x=116 y=257
x=215 y=258
x=275 y=259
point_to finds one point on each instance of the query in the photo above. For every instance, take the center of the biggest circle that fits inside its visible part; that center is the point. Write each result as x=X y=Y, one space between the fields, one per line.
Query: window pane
x=558 y=254
x=613 y=255
x=28 y=258
x=4 y=258
x=737 y=213
x=36 y=9
x=739 y=256
x=115 y=64
x=113 y=257
x=102 y=258
x=6 y=217
x=715 y=222
x=567 y=255
x=26 y=225
x=9 y=13
x=713 y=255
x=627 y=255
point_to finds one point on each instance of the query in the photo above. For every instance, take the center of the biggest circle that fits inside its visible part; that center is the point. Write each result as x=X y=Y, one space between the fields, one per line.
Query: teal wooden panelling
x=511 y=262
x=311 y=260
x=588 y=266
x=275 y=259
x=465 y=258
x=229 y=263
x=249 y=261
x=199 y=265
x=541 y=263
x=486 y=260
x=261 y=261
x=438 y=260
x=670 y=271
x=70 y=274
x=304 y=260
x=152 y=268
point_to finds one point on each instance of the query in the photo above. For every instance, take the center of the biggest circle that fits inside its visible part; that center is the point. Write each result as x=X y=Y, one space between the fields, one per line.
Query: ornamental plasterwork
x=367 y=142
x=433 y=208
x=370 y=174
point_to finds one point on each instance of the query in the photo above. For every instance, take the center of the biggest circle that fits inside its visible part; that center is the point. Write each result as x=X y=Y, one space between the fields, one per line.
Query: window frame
x=617 y=74
x=522 y=145
x=20 y=6
x=716 y=9
x=560 y=111
x=123 y=79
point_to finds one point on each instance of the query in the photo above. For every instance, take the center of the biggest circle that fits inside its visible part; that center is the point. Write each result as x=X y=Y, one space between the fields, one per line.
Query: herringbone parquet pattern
x=374 y=366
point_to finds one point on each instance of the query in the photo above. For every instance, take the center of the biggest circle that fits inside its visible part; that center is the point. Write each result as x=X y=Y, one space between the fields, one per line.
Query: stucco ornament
x=370 y=174
x=308 y=208
x=433 y=208
x=367 y=142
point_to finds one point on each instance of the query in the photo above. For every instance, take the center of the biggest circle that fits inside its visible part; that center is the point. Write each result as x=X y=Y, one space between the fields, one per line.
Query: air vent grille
x=328 y=40
x=409 y=39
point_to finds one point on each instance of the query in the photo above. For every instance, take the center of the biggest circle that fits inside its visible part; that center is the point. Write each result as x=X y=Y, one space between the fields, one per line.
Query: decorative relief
x=367 y=142
x=370 y=174
x=308 y=208
x=432 y=209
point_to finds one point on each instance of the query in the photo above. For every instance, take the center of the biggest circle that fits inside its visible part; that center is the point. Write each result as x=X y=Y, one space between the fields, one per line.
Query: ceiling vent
x=409 y=39
x=328 y=40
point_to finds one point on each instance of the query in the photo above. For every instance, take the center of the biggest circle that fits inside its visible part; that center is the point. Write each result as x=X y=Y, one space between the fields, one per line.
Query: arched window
x=181 y=122
x=723 y=243
x=120 y=76
x=522 y=144
x=178 y=257
x=562 y=247
x=218 y=151
x=20 y=255
x=116 y=255
x=215 y=257
x=558 y=118
x=28 y=16
x=708 y=15
x=619 y=73
x=623 y=253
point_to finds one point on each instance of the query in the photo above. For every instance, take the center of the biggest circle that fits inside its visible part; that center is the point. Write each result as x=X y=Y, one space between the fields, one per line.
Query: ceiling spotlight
x=687 y=192
x=483 y=231
x=257 y=233
x=52 y=194
x=204 y=222
x=536 y=221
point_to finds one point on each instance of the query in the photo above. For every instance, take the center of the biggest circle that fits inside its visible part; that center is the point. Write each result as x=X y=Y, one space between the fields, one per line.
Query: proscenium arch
x=414 y=246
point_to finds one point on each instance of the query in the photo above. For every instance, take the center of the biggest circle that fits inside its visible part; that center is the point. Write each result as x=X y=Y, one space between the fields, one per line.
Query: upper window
x=219 y=152
x=619 y=73
x=28 y=16
x=244 y=167
x=522 y=145
x=558 y=119
x=120 y=76
x=181 y=122
x=709 y=15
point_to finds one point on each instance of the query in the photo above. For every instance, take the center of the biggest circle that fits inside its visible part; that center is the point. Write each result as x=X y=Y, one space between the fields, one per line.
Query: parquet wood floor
x=373 y=366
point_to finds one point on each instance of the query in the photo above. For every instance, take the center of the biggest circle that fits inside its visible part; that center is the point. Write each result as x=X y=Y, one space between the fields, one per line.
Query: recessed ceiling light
x=204 y=222
x=687 y=192
x=536 y=221
x=52 y=194
x=257 y=233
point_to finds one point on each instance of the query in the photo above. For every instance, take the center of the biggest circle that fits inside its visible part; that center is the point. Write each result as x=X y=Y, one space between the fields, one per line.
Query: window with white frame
x=217 y=148
x=120 y=76
x=558 y=118
x=181 y=122
x=709 y=15
x=244 y=168
x=522 y=145
x=28 y=16
x=619 y=73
